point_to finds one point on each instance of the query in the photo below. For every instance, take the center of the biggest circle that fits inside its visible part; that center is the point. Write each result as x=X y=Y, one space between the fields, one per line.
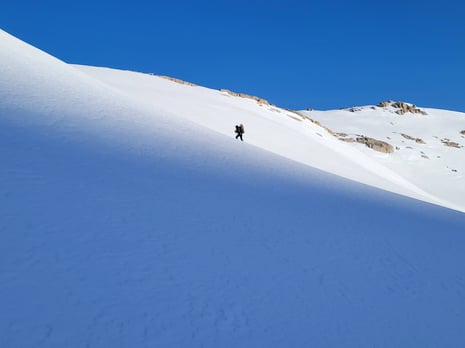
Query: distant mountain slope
x=428 y=144
x=131 y=217
x=277 y=130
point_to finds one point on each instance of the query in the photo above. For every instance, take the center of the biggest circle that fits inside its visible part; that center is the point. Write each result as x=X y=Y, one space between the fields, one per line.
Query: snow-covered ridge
x=427 y=146
x=100 y=98
x=280 y=131
x=288 y=133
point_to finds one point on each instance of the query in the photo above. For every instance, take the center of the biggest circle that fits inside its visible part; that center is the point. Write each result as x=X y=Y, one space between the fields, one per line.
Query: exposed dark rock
x=354 y=109
x=347 y=140
x=449 y=143
x=177 y=80
x=243 y=95
x=376 y=145
x=385 y=104
x=402 y=107
x=406 y=136
x=417 y=140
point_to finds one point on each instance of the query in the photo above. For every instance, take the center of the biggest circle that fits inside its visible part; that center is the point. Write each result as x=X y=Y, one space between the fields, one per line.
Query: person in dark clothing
x=239 y=131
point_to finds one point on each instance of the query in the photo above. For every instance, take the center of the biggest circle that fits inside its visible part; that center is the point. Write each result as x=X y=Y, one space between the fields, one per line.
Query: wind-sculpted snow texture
x=125 y=223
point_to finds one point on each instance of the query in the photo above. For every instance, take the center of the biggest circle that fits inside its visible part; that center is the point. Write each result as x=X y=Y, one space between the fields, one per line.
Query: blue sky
x=296 y=54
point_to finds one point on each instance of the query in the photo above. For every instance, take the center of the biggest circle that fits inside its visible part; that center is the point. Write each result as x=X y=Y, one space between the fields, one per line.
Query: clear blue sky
x=297 y=54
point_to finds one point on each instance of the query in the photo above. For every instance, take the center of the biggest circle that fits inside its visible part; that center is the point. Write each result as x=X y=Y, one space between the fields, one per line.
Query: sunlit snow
x=131 y=217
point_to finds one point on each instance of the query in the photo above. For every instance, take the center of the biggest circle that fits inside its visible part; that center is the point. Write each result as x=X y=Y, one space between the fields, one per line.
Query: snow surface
x=131 y=217
x=276 y=130
x=428 y=163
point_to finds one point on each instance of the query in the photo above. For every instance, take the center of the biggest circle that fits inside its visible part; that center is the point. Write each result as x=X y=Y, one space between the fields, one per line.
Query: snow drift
x=131 y=217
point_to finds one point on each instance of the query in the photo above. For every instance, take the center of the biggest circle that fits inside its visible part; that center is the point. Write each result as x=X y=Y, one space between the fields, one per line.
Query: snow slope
x=131 y=217
x=423 y=153
x=270 y=128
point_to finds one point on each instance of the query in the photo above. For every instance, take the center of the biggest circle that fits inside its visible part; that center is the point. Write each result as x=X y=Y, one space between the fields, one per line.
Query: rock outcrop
x=347 y=140
x=462 y=132
x=243 y=95
x=402 y=107
x=377 y=145
x=417 y=140
x=385 y=104
x=177 y=80
x=354 y=109
x=450 y=143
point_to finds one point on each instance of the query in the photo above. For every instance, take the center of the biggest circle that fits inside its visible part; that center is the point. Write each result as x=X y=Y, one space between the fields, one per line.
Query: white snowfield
x=429 y=149
x=437 y=177
x=131 y=217
x=289 y=135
